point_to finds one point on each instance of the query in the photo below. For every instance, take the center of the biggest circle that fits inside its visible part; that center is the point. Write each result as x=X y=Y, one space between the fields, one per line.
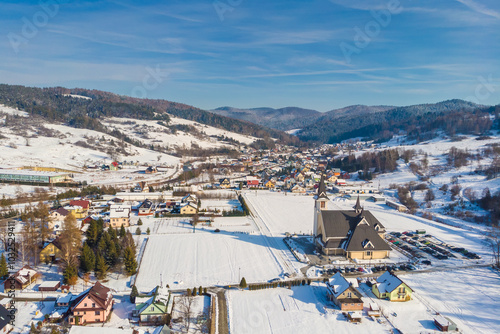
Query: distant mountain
x=383 y=121
x=283 y=119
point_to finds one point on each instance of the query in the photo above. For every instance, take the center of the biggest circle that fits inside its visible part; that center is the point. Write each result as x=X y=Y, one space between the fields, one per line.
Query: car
x=427 y=262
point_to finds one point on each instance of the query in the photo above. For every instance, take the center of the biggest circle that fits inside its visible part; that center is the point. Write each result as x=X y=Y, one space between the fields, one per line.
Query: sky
x=315 y=54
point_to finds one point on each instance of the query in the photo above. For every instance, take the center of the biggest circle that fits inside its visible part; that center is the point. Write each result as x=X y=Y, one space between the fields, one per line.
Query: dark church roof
x=321 y=188
x=359 y=230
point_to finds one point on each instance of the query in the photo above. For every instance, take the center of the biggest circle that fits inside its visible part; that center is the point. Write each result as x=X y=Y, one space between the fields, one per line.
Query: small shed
x=354 y=316
x=49 y=286
x=444 y=324
x=374 y=310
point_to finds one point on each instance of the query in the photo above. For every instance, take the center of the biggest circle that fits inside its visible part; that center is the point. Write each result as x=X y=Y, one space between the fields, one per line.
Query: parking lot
x=424 y=248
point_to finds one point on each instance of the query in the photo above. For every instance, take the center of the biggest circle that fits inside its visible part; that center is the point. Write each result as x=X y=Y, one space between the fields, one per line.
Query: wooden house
x=444 y=324
x=389 y=286
x=343 y=293
x=91 y=306
x=21 y=279
x=49 y=286
x=270 y=184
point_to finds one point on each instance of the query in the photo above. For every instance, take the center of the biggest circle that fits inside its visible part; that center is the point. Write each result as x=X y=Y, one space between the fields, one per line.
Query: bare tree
x=492 y=241
x=186 y=309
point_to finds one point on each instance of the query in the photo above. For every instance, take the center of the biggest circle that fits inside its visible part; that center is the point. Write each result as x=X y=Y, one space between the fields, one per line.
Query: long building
x=13 y=175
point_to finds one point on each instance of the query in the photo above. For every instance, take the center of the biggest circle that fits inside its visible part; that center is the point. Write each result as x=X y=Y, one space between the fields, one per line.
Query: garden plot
x=283 y=213
x=302 y=309
x=207 y=259
x=469 y=297
x=220 y=205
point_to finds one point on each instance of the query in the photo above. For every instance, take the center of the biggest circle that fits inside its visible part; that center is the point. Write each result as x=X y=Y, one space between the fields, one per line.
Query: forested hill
x=54 y=105
x=419 y=122
x=283 y=119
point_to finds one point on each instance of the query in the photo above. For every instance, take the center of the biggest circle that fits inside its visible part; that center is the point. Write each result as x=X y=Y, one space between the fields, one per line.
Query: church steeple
x=358 y=207
x=322 y=189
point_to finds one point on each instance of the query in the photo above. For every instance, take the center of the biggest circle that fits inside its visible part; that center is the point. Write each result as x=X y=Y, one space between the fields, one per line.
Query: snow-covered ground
x=303 y=309
x=207 y=259
x=471 y=297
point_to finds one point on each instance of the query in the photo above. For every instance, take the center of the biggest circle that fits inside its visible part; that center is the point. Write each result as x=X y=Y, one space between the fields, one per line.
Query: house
x=299 y=177
x=389 y=286
x=119 y=215
x=146 y=208
x=252 y=181
x=5 y=320
x=58 y=215
x=51 y=251
x=49 y=286
x=444 y=324
x=188 y=209
x=151 y=170
x=225 y=183
x=336 y=171
x=92 y=305
x=343 y=293
x=77 y=211
x=153 y=310
x=298 y=189
x=270 y=184
x=141 y=187
x=21 y=279
x=356 y=234
x=332 y=179
x=189 y=199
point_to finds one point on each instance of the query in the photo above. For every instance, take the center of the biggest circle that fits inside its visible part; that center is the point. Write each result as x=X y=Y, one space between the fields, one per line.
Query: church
x=355 y=234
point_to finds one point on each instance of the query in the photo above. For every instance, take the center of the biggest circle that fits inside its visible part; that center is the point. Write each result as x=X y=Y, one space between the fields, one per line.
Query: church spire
x=358 y=207
x=321 y=188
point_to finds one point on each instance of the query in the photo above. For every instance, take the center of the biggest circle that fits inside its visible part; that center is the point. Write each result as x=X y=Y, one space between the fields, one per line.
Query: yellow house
x=390 y=287
x=332 y=179
x=270 y=184
x=77 y=211
x=51 y=251
x=188 y=209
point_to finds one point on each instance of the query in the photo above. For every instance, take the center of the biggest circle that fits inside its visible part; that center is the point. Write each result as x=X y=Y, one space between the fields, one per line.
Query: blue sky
x=318 y=54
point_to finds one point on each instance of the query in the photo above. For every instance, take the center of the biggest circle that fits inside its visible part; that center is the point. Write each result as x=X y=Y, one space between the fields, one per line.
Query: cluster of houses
x=95 y=304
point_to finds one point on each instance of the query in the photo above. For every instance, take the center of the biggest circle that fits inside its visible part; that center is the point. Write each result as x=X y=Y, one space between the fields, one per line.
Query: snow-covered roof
x=387 y=282
x=337 y=284
x=98 y=330
x=49 y=284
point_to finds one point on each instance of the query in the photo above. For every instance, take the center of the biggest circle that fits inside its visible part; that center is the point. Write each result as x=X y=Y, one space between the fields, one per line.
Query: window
x=97 y=312
x=84 y=312
x=349 y=295
x=322 y=205
x=85 y=305
x=368 y=253
x=96 y=320
x=93 y=304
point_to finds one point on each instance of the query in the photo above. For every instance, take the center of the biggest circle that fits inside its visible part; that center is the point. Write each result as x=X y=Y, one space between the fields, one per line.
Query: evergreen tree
x=101 y=268
x=133 y=294
x=111 y=254
x=87 y=259
x=129 y=261
x=4 y=271
x=92 y=233
x=70 y=275
x=138 y=231
x=139 y=222
x=122 y=231
x=200 y=291
x=243 y=283
x=148 y=231
x=194 y=291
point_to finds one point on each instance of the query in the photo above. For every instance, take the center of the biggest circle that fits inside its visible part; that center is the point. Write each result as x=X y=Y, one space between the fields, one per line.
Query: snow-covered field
x=283 y=213
x=205 y=258
x=298 y=310
x=469 y=297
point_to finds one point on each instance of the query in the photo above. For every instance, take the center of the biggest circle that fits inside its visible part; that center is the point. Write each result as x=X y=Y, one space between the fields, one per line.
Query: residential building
x=119 y=215
x=343 y=293
x=51 y=251
x=92 y=305
x=389 y=286
x=21 y=279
